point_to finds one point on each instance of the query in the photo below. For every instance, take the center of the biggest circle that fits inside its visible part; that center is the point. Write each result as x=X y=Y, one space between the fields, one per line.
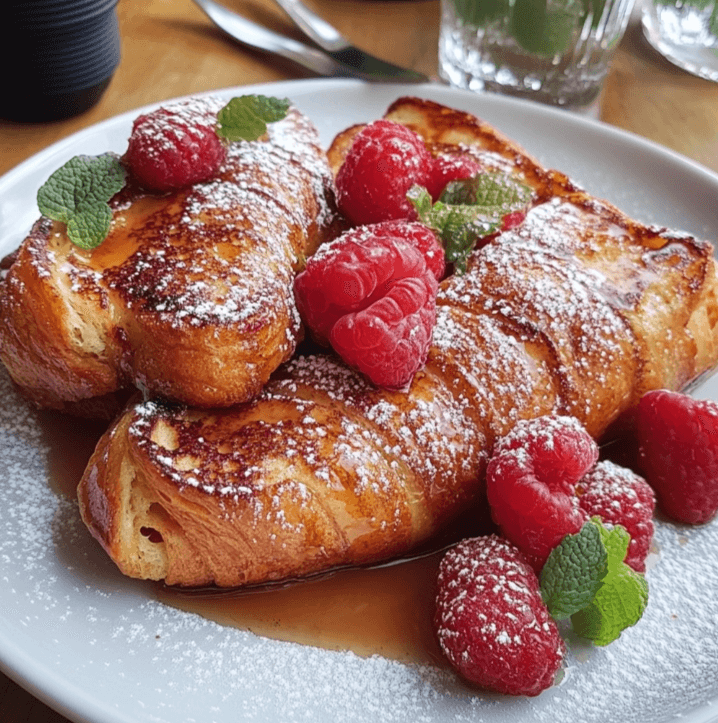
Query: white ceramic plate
x=98 y=647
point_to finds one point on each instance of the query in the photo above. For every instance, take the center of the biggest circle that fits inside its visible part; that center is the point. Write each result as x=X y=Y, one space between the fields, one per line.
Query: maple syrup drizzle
x=71 y=441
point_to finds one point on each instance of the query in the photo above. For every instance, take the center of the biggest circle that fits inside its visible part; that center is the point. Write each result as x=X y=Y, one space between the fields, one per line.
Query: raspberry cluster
x=543 y=483
x=371 y=294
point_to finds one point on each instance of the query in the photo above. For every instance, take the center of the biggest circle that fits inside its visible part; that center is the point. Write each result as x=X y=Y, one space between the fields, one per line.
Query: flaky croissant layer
x=579 y=311
x=189 y=296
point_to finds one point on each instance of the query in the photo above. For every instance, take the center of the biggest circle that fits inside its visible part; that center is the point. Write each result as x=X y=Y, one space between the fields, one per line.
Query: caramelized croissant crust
x=578 y=311
x=189 y=297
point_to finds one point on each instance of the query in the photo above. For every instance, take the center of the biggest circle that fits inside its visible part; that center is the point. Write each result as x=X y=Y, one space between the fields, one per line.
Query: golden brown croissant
x=190 y=295
x=578 y=311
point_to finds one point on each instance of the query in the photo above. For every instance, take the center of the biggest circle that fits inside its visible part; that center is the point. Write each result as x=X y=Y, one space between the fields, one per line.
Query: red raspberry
x=512 y=220
x=373 y=299
x=620 y=497
x=450 y=168
x=490 y=619
x=420 y=236
x=176 y=146
x=678 y=448
x=389 y=341
x=531 y=483
x=355 y=270
x=384 y=161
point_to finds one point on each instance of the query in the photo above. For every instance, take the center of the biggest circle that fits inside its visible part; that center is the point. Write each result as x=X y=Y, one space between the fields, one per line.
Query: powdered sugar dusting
x=158 y=664
x=540 y=281
x=89 y=627
x=224 y=252
x=229 y=257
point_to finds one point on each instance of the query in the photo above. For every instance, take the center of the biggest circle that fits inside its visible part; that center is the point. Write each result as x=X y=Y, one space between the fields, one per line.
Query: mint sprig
x=469 y=210
x=585 y=578
x=620 y=601
x=574 y=572
x=245 y=118
x=78 y=193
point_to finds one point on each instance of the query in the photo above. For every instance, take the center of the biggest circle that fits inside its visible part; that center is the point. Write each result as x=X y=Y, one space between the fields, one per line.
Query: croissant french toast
x=578 y=311
x=190 y=295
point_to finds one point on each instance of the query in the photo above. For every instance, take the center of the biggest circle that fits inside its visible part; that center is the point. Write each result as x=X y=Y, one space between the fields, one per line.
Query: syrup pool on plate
x=380 y=610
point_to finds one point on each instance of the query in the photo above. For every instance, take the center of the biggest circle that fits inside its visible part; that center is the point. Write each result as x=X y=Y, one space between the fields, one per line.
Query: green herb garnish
x=246 y=117
x=585 y=578
x=469 y=210
x=78 y=193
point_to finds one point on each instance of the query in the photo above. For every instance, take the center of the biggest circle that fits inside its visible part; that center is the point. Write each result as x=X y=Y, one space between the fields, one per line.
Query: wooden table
x=170 y=48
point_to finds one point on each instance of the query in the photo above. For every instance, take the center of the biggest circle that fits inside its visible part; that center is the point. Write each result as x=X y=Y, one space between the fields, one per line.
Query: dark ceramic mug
x=59 y=57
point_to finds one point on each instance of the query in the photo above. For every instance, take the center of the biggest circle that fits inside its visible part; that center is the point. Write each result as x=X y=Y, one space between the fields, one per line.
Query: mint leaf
x=87 y=226
x=458 y=227
x=572 y=575
x=246 y=117
x=618 y=605
x=421 y=200
x=469 y=210
x=78 y=193
x=497 y=193
x=478 y=12
x=622 y=598
x=546 y=27
x=616 y=539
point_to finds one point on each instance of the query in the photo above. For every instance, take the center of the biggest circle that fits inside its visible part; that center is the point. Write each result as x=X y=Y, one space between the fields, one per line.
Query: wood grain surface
x=170 y=48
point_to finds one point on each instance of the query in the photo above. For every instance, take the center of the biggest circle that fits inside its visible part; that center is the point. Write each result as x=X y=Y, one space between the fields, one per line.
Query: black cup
x=59 y=57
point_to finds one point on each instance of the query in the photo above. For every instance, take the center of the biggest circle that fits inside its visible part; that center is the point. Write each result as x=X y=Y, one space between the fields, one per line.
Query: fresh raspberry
x=620 y=497
x=354 y=271
x=383 y=162
x=490 y=619
x=373 y=298
x=531 y=483
x=420 y=236
x=678 y=450
x=512 y=220
x=176 y=146
x=450 y=168
x=389 y=341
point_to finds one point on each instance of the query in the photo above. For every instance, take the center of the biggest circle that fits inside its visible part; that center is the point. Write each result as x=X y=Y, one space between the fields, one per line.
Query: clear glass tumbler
x=685 y=32
x=554 y=51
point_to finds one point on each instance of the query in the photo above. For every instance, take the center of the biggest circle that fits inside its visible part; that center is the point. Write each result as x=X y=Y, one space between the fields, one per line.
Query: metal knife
x=345 y=62
x=338 y=47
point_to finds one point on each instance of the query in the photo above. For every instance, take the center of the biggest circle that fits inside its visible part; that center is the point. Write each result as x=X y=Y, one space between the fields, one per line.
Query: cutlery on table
x=335 y=56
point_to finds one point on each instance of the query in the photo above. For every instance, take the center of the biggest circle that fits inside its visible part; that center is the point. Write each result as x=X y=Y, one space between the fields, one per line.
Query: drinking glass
x=685 y=32
x=554 y=51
